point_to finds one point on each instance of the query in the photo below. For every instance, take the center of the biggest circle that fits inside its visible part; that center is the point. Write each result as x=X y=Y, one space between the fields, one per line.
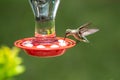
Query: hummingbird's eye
x=68 y=30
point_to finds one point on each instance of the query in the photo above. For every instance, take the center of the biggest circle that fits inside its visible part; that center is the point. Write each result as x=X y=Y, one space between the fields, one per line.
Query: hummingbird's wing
x=89 y=31
x=84 y=27
x=86 y=33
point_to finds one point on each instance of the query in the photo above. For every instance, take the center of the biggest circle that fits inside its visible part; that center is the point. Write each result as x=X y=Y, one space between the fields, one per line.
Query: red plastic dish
x=45 y=50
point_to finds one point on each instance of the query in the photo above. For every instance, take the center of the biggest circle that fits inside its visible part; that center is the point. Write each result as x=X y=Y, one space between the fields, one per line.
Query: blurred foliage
x=98 y=60
x=10 y=63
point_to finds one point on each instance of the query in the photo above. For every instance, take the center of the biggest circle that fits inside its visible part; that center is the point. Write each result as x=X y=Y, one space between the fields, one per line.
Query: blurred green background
x=98 y=60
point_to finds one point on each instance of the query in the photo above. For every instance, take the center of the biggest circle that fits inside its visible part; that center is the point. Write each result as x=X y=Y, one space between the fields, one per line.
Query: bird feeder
x=45 y=43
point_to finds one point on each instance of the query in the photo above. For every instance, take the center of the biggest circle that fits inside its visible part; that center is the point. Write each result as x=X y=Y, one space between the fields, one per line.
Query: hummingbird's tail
x=84 y=39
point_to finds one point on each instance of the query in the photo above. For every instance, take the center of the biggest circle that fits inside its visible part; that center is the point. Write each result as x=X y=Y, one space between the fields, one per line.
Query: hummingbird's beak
x=66 y=34
x=65 y=37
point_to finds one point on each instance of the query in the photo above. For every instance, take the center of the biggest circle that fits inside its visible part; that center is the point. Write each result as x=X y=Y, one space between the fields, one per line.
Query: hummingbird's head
x=68 y=32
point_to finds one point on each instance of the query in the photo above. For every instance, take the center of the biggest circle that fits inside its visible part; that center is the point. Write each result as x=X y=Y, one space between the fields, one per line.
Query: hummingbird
x=81 y=32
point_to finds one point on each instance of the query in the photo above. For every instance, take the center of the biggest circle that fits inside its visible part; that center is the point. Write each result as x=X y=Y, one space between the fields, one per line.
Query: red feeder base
x=45 y=53
x=45 y=50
